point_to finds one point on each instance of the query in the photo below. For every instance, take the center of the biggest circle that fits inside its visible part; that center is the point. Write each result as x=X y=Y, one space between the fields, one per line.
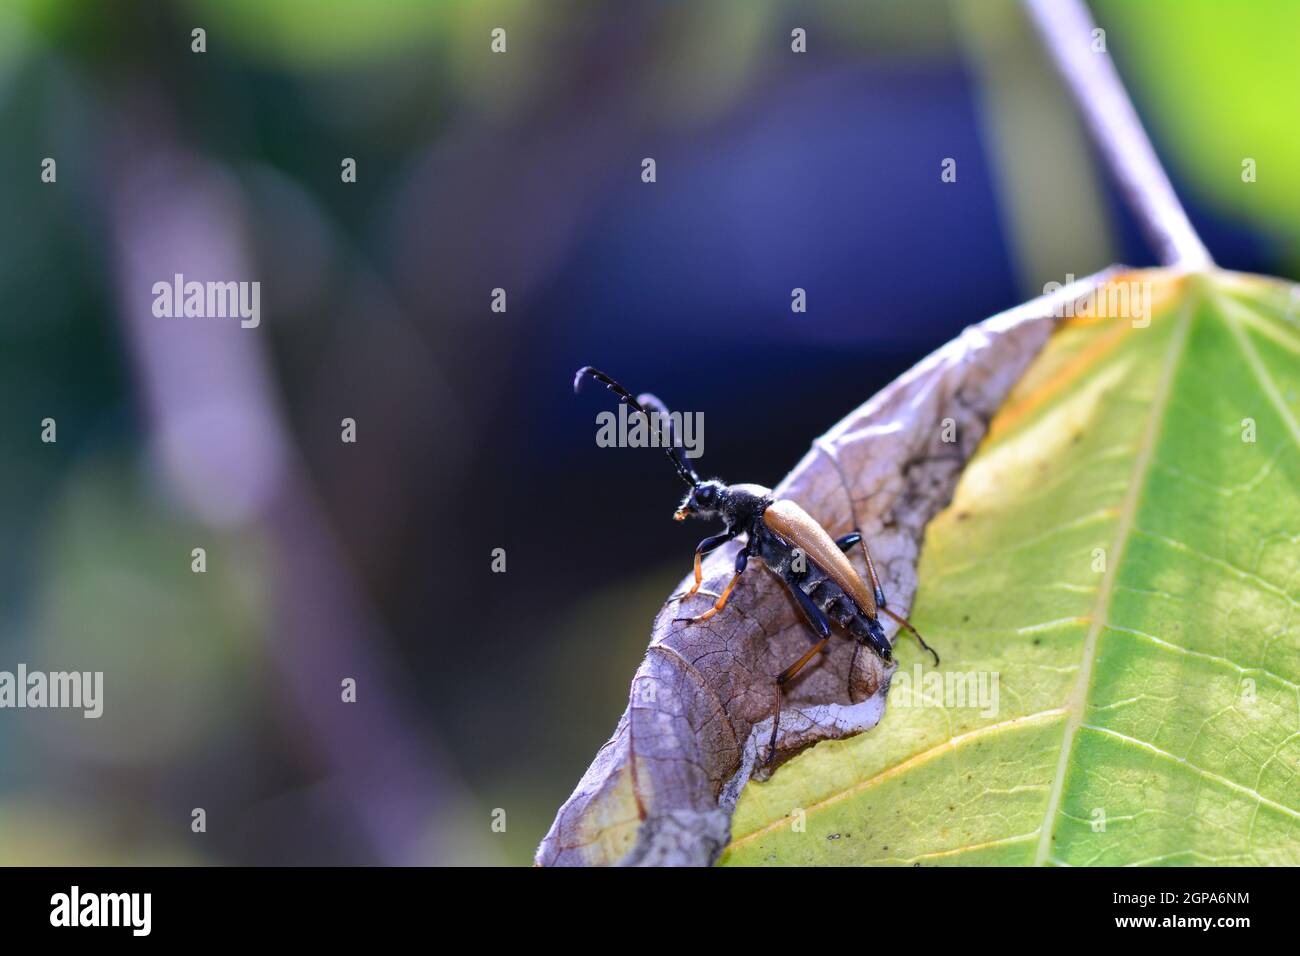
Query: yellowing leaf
x=1114 y=588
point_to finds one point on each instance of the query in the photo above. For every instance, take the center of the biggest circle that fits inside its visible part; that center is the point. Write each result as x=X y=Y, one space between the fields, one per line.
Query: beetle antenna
x=684 y=470
x=915 y=633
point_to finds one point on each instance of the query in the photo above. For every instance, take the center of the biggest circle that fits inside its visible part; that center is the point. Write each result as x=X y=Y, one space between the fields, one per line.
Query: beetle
x=793 y=545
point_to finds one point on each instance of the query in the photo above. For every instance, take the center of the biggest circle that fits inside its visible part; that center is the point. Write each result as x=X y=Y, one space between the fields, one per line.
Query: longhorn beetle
x=791 y=543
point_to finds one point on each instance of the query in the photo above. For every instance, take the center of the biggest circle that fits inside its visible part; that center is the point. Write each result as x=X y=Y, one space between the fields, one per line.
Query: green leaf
x=1122 y=555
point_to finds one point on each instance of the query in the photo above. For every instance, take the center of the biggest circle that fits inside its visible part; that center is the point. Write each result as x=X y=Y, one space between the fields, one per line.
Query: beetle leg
x=816 y=617
x=699 y=573
x=879 y=642
x=703 y=548
x=844 y=542
x=915 y=633
x=782 y=679
x=822 y=625
x=742 y=559
x=848 y=541
x=721 y=603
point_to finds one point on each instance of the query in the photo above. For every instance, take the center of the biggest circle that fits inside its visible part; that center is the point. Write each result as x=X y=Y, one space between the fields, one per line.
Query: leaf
x=1148 y=710
x=662 y=788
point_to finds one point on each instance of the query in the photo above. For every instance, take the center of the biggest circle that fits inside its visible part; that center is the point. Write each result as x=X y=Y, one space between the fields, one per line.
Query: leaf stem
x=1067 y=28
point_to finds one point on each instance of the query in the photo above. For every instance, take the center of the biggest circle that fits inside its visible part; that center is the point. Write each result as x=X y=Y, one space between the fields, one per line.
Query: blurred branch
x=1020 y=111
x=225 y=446
x=1067 y=28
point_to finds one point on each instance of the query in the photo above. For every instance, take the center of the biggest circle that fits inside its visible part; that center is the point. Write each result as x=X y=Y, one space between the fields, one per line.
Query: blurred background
x=480 y=692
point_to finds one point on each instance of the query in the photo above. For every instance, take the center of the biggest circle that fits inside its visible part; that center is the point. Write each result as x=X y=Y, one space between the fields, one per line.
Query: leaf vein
x=1128 y=514
x=1209 y=775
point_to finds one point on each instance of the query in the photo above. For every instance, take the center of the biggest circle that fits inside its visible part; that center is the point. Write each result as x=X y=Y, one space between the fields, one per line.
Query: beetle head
x=703 y=500
x=736 y=505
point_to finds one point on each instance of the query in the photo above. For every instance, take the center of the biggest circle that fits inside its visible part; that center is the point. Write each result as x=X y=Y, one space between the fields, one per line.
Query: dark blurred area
x=480 y=692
